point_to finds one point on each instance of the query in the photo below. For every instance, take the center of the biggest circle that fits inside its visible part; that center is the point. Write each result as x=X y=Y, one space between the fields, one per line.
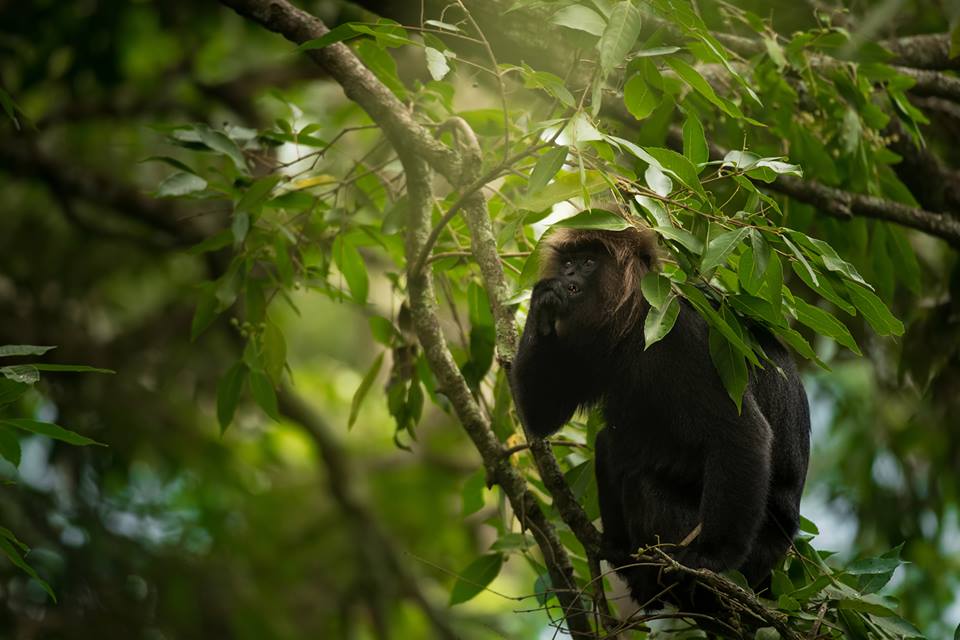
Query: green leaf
x=619 y=36
x=594 y=219
x=694 y=140
x=684 y=237
x=697 y=298
x=180 y=184
x=680 y=166
x=25 y=373
x=825 y=324
x=873 y=309
x=221 y=143
x=720 y=247
x=49 y=430
x=580 y=18
x=75 y=368
x=475 y=577
x=10 y=447
x=23 y=350
x=13 y=554
x=803 y=261
x=206 y=311
x=807 y=526
x=348 y=260
x=639 y=98
x=382 y=65
x=747 y=271
x=228 y=394
x=273 y=351
x=660 y=321
x=257 y=193
x=658 y=181
x=655 y=288
x=362 y=390
x=823 y=287
x=337 y=34
x=213 y=243
x=767 y=633
x=566 y=185
x=693 y=78
x=833 y=262
x=10 y=390
x=546 y=168
x=239 y=227
x=265 y=395
x=472 y=492
x=730 y=364
x=436 y=63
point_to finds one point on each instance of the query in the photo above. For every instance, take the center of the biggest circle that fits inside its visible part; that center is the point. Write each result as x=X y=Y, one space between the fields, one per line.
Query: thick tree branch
x=451 y=382
x=484 y=246
x=358 y=82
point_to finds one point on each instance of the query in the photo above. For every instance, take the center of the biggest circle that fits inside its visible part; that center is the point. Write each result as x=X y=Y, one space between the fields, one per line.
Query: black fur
x=675 y=452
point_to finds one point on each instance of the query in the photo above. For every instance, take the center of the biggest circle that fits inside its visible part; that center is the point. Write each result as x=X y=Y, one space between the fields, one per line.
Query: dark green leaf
x=49 y=430
x=694 y=141
x=13 y=554
x=273 y=351
x=75 y=368
x=10 y=446
x=472 y=492
x=873 y=309
x=337 y=34
x=730 y=364
x=228 y=394
x=475 y=577
x=720 y=247
x=348 y=260
x=261 y=387
x=825 y=324
x=362 y=390
x=10 y=390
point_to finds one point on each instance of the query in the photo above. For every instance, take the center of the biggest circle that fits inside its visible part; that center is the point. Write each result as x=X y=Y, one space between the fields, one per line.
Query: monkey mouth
x=573 y=289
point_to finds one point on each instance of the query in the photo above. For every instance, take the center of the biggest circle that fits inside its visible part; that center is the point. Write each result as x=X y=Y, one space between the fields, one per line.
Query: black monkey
x=675 y=453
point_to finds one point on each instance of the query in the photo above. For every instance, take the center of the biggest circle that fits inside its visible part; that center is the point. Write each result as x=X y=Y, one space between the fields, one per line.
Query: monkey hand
x=548 y=301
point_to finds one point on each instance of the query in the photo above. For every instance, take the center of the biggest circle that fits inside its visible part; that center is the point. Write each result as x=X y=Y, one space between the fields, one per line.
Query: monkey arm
x=547 y=381
x=546 y=384
x=736 y=482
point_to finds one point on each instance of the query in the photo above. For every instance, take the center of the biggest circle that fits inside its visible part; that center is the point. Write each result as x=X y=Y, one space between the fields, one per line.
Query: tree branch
x=453 y=385
x=358 y=82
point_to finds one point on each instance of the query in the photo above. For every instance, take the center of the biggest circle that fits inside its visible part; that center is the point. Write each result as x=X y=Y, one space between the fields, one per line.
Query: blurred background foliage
x=175 y=531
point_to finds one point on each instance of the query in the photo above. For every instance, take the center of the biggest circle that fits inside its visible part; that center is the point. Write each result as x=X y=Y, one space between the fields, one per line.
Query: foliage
x=16 y=380
x=294 y=202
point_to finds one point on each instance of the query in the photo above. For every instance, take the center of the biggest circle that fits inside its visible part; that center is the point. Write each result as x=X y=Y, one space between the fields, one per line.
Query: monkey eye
x=567 y=263
x=589 y=262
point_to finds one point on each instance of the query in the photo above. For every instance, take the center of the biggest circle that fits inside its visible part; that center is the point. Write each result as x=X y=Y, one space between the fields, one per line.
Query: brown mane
x=634 y=250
